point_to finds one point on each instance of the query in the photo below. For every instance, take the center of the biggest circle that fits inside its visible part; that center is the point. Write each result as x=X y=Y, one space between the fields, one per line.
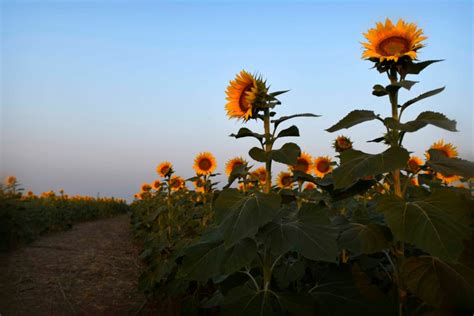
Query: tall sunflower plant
x=419 y=221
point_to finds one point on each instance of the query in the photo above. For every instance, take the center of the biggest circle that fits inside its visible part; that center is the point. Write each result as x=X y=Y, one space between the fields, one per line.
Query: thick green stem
x=268 y=149
x=395 y=135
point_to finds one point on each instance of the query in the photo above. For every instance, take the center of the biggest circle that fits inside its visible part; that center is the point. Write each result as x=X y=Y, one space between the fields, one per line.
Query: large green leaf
x=244 y=300
x=437 y=224
x=309 y=233
x=421 y=97
x=239 y=256
x=450 y=166
x=356 y=164
x=287 y=154
x=440 y=283
x=416 y=68
x=353 y=118
x=245 y=132
x=425 y=118
x=258 y=154
x=368 y=239
x=290 y=131
x=202 y=261
x=241 y=215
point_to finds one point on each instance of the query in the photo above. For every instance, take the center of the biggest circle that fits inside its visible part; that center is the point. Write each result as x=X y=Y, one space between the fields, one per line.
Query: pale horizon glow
x=95 y=94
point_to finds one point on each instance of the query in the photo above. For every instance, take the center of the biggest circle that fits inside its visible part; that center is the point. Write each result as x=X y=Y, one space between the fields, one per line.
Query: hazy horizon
x=95 y=94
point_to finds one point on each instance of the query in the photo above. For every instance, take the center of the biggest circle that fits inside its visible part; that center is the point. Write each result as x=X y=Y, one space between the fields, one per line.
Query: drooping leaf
x=310 y=233
x=440 y=283
x=353 y=118
x=245 y=132
x=421 y=97
x=368 y=239
x=416 y=68
x=425 y=118
x=257 y=154
x=356 y=164
x=379 y=90
x=437 y=224
x=407 y=84
x=285 y=118
x=239 y=256
x=290 y=131
x=450 y=166
x=287 y=154
x=240 y=216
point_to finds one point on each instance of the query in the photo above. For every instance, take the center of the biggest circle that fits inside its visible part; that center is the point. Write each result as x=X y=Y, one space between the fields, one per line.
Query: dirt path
x=90 y=270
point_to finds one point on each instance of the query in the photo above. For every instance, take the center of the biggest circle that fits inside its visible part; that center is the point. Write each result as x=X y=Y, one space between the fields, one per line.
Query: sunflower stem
x=393 y=95
x=268 y=149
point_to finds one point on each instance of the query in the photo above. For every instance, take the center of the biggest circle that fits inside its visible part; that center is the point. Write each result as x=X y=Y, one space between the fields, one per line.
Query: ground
x=91 y=269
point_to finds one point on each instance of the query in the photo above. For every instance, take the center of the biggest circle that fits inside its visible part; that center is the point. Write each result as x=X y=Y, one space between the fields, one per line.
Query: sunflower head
x=145 y=187
x=309 y=186
x=391 y=42
x=200 y=185
x=322 y=166
x=30 y=193
x=285 y=180
x=245 y=187
x=304 y=163
x=245 y=95
x=342 y=143
x=260 y=175
x=414 y=164
x=414 y=181
x=164 y=169
x=156 y=184
x=10 y=180
x=233 y=163
x=177 y=183
x=447 y=149
x=205 y=163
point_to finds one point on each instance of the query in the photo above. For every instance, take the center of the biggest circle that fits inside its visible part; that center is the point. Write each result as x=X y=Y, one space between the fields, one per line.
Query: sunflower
x=145 y=187
x=242 y=94
x=303 y=163
x=309 y=186
x=322 y=166
x=177 y=183
x=205 y=163
x=232 y=163
x=447 y=149
x=391 y=42
x=414 y=164
x=10 y=180
x=342 y=143
x=260 y=175
x=248 y=186
x=200 y=185
x=164 y=168
x=285 y=180
x=414 y=181
x=156 y=184
x=447 y=179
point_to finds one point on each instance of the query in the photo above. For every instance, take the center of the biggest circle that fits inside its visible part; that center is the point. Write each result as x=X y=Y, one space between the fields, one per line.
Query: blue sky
x=96 y=93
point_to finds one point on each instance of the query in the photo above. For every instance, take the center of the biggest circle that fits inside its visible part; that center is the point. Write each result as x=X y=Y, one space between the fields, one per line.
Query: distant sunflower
x=414 y=164
x=205 y=163
x=10 y=180
x=156 y=184
x=342 y=143
x=322 y=166
x=303 y=163
x=414 y=181
x=145 y=187
x=232 y=163
x=164 y=168
x=447 y=149
x=260 y=175
x=391 y=42
x=200 y=186
x=241 y=95
x=309 y=186
x=241 y=186
x=177 y=183
x=285 y=180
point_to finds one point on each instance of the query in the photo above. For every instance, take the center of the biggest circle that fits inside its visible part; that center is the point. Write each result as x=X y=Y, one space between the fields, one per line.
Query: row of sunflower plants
x=372 y=234
x=24 y=216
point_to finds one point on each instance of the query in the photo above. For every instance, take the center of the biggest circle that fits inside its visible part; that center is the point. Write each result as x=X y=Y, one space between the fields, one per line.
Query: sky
x=94 y=94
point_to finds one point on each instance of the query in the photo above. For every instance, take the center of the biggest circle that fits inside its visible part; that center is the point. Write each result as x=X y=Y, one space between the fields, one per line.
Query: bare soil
x=91 y=269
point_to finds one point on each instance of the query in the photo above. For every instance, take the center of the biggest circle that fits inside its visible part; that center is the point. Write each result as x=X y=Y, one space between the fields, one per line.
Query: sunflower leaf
x=437 y=224
x=425 y=118
x=361 y=238
x=239 y=216
x=416 y=68
x=421 y=97
x=450 y=166
x=288 y=132
x=379 y=90
x=407 y=84
x=258 y=154
x=285 y=118
x=245 y=132
x=353 y=118
x=356 y=164
x=439 y=283
x=287 y=154
x=377 y=140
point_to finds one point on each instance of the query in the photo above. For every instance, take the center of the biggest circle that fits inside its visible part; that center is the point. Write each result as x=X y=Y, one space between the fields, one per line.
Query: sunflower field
x=371 y=234
x=26 y=216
